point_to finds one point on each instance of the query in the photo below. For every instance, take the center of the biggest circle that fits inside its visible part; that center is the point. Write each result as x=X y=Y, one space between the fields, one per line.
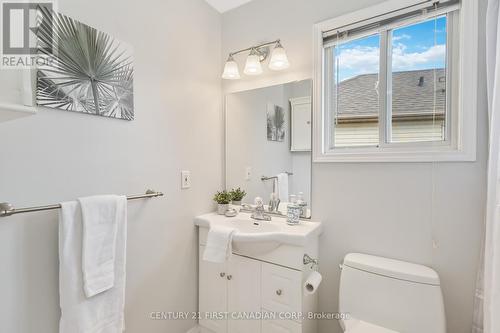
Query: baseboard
x=199 y=329
x=195 y=329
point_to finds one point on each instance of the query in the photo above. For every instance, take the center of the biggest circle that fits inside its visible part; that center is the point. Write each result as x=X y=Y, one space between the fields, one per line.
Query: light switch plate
x=248 y=173
x=185 y=179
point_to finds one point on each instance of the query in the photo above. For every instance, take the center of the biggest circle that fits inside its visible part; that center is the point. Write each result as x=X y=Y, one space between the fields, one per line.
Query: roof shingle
x=414 y=93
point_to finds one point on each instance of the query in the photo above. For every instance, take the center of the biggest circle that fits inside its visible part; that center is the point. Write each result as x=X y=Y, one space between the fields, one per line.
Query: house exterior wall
x=366 y=134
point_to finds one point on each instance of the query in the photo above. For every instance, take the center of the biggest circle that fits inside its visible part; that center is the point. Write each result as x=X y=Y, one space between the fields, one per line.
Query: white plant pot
x=236 y=203
x=222 y=208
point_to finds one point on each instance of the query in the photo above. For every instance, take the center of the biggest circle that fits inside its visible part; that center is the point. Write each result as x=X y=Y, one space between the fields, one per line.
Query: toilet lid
x=359 y=326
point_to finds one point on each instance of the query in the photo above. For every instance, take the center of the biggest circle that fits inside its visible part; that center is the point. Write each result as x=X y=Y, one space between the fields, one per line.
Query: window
x=417 y=82
x=354 y=99
x=389 y=85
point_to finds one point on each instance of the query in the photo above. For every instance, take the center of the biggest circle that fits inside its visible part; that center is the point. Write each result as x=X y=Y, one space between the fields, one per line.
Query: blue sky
x=419 y=46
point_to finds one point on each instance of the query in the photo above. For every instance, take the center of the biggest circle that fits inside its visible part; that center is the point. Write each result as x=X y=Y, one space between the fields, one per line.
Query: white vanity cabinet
x=300 y=114
x=232 y=287
x=280 y=326
x=212 y=293
x=243 y=293
x=268 y=287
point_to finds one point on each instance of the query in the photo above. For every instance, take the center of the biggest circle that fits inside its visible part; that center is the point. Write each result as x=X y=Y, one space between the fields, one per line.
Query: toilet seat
x=359 y=326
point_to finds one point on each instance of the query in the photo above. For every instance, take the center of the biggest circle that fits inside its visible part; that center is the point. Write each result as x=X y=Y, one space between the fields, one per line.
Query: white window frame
x=461 y=120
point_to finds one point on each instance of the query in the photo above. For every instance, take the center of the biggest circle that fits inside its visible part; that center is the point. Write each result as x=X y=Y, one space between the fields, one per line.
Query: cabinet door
x=244 y=289
x=212 y=294
x=301 y=124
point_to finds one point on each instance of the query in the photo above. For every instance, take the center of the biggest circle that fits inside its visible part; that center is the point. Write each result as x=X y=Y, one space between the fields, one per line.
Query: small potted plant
x=223 y=198
x=237 y=194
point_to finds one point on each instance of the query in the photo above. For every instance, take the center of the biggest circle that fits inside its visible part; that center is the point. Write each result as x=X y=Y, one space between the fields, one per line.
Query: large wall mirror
x=268 y=144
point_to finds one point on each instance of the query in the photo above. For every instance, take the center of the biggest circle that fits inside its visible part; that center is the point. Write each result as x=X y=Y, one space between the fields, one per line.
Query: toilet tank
x=394 y=294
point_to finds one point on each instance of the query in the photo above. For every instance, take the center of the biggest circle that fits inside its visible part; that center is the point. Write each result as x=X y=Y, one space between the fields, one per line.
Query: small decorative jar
x=293 y=212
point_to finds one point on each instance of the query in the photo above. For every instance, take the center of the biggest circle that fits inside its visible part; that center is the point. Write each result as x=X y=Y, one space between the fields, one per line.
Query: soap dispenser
x=302 y=204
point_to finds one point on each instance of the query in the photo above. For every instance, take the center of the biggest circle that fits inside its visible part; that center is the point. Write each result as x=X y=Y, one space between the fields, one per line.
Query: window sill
x=377 y=155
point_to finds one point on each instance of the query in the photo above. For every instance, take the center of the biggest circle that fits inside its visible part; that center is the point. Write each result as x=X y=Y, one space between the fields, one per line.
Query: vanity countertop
x=250 y=230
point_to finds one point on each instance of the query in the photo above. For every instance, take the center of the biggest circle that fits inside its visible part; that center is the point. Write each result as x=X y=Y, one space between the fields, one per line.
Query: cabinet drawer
x=281 y=289
x=281 y=326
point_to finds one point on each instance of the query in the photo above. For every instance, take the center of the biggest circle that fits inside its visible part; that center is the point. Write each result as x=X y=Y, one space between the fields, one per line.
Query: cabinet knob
x=279 y=292
x=229 y=277
x=222 y=275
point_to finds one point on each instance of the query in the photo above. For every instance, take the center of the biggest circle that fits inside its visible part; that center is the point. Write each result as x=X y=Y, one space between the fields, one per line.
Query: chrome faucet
x=259 y=211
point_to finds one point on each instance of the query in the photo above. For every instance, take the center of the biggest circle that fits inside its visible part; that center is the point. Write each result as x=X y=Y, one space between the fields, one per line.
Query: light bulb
x=279 y=60
x=253 y=66
x=231 y=71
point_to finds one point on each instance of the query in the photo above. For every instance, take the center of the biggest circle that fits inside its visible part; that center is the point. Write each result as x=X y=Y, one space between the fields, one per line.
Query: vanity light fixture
x=257 y=55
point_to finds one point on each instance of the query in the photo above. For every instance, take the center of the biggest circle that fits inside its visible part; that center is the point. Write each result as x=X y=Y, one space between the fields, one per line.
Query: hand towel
x=103 y=313
x=283 y=187
x=219 y=244
x=100 y=216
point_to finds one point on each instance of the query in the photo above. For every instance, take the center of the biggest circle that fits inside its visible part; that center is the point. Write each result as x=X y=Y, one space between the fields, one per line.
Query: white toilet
x=383 y=295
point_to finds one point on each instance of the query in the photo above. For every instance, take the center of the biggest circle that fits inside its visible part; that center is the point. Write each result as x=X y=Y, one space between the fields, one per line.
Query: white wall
x=429 y=213
x=56 y=155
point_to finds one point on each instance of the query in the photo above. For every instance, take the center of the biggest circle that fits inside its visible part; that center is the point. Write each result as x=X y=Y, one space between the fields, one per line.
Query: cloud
x=401 y=37
x=360 y=59
x=402 y=60
x=365 y=59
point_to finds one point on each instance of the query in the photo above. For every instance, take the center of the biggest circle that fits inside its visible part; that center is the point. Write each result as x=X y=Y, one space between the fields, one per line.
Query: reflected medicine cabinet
x=300 y=124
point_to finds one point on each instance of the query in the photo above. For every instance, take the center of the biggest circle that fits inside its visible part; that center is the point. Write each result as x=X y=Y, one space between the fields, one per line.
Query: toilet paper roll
x=312 y=283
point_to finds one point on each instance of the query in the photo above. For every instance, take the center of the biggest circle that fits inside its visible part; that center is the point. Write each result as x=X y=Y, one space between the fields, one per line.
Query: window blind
x=422 y=9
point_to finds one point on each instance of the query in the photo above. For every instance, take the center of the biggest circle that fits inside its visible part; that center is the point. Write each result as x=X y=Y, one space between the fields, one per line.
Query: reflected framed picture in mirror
x=276 y=123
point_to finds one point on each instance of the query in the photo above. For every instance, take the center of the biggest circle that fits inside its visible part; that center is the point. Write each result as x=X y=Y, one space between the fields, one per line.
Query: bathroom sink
x=253 y=237
x=258 y=244
x=254 y=226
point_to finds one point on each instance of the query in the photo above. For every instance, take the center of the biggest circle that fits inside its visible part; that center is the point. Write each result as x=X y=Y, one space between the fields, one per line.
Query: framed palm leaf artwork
x=88 y=71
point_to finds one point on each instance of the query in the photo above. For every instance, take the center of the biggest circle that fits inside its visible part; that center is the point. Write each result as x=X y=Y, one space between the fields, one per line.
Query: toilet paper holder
x=307 y=259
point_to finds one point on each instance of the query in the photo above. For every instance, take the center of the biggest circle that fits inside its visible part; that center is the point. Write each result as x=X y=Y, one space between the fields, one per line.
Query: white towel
x=100 y=215
x=102 y=313
x=219 y=244
x=283 y=187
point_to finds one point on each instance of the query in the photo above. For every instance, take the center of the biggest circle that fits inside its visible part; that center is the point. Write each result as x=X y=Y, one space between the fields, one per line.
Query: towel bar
x=264 y=178
x=6 y=209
